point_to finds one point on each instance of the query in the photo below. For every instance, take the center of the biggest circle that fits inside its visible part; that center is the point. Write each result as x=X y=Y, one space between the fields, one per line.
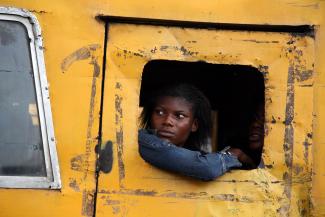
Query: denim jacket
x=165 y=155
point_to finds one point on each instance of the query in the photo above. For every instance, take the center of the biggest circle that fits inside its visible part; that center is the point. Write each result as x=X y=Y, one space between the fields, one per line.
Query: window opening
x=27 y=149
x=236 y=94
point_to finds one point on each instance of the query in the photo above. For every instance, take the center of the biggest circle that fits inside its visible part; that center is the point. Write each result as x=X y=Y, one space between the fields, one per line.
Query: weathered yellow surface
x=286 y=182
x=74 y=47
x=73 y=42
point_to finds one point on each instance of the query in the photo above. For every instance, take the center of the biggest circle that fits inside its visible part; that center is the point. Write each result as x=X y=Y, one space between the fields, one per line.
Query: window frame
x=52 y=179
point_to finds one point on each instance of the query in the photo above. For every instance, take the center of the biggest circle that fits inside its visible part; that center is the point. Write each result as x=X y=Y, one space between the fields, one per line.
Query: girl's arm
x=180 y=160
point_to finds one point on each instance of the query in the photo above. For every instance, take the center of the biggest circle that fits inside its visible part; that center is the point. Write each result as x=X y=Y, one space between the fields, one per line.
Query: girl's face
x=173 y=119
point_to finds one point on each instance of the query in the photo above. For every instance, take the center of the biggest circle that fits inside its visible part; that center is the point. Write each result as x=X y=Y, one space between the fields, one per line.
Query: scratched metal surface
x=73 y=41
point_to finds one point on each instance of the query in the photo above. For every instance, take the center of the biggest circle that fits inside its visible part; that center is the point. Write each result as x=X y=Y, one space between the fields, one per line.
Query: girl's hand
x=242 y=157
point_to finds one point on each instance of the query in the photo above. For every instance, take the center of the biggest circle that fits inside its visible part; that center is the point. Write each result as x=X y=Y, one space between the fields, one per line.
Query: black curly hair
x=201 y=110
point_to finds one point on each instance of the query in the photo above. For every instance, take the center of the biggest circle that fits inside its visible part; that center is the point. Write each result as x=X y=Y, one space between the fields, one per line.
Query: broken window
x=27 y=151
x=236 y=94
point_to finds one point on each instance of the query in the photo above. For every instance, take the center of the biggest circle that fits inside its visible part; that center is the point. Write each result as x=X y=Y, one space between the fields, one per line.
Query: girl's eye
x=159 y=112
x=180 y=116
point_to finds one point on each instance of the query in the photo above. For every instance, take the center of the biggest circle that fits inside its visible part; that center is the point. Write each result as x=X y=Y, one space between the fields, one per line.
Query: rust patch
x=163 y=48
x=116 y=209
x=154 y=50
x=83 y=54
x=39 y=12
x=119 y=133
x=184 y=195
x=129 y=54
x=288 y=143
x=303 y=75
x=306 y=151
x=87 y=203
x=112 y=202
x=296 y=72
x=115 y=204
x=190 y=42
x=181 y=49
x=74 y=185
x=80 y=54
x=77 y=163
x=302 y=204
x=297 y=169
x=258 y=42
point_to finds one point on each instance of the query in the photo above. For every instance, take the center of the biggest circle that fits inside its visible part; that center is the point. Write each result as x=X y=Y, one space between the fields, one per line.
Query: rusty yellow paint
x=292 y=184
x=284 y=184
x=73 y=42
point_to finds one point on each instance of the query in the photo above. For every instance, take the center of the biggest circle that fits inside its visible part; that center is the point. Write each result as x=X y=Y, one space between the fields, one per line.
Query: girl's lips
x=164 y=133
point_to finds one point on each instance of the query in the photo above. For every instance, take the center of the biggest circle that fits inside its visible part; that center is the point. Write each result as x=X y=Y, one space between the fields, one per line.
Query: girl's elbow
x=212 y=174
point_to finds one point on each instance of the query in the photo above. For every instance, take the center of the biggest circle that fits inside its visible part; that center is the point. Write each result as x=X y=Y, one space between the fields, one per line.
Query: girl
x=176 y=125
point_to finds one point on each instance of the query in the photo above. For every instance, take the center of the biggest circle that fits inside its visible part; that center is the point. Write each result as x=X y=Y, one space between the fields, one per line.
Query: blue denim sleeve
x=167 y=156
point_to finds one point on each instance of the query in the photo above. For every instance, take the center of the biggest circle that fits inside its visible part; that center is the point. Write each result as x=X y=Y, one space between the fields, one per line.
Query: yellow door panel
x=135 y=188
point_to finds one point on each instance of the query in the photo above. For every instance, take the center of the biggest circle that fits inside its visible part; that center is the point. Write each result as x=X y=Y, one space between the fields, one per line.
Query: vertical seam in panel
x=100 y=117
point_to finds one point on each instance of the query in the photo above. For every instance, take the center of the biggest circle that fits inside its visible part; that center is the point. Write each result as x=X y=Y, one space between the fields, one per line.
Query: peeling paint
x=112 y=202
x=303 y=75
x=182 y=195
x=181 y=49
x=116 y=210
x=297 y=169
x=306 y=150
x=77 y=163
x=288 y=139
x=87 y=203
x=266 y=42
x=83 y=54
x=39 y=11
x=80 y=54
x=119 y=133
x=74 y=185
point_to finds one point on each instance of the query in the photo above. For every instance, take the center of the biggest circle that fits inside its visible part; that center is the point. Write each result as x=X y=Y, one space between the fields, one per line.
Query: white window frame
x=52 y=179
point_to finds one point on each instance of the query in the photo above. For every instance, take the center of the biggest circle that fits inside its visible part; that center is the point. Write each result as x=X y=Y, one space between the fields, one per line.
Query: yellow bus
x=72 y=77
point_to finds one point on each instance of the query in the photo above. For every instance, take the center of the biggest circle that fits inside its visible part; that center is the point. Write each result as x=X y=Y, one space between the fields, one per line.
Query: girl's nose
x=169 y=120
